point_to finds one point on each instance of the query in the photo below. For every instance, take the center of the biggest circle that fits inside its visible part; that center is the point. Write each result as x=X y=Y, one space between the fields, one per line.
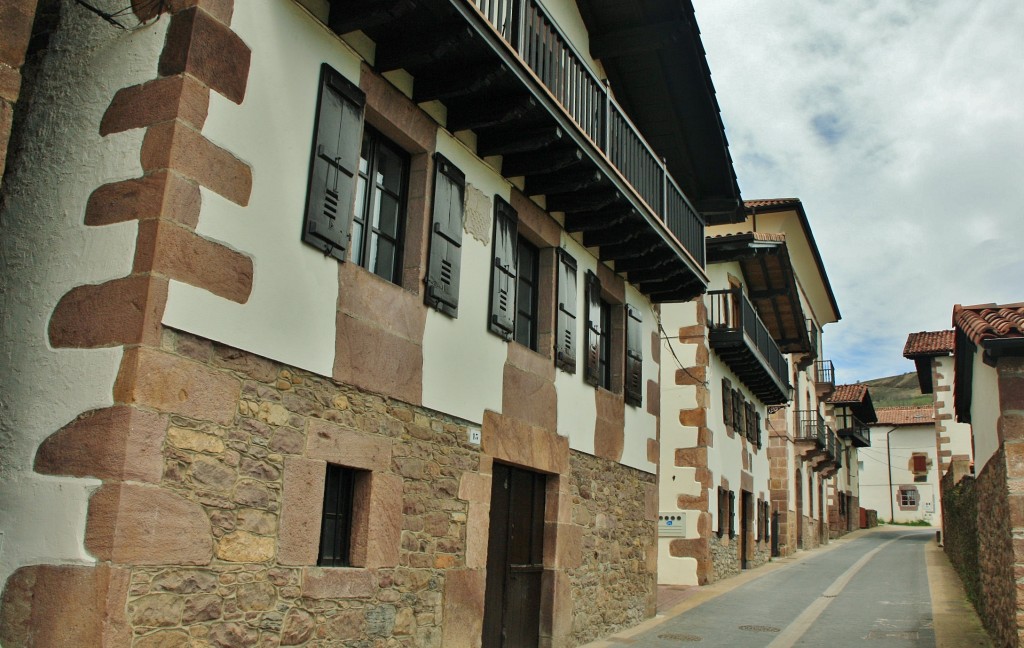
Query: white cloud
x=900 y=124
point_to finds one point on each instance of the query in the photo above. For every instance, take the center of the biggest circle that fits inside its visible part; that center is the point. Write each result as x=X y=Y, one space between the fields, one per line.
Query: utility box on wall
x=672 y=525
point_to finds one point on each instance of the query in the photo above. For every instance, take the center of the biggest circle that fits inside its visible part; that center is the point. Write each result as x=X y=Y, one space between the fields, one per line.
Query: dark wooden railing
x=531 y=32
x=731 y=310
x=810 y=426
x=850 y=426
x=825 y=374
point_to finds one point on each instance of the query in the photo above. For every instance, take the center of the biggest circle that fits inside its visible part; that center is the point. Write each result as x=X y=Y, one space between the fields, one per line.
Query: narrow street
x=880 y=588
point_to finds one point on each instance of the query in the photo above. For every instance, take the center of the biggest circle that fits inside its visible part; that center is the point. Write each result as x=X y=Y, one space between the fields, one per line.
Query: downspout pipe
x=888 y=462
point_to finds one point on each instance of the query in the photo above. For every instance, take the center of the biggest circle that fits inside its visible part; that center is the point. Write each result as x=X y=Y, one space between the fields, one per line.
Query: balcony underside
x=743 y=358
x=859 y=438
x=456 y=57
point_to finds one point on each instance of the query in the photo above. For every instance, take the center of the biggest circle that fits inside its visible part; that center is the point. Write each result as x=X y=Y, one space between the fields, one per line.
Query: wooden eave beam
x=508 y=141
x=635 y=40
x=446 y=86
x=364 y=14
x=562 y=182
x=599 y=219
x=470 y=115
x=544 y=161
x=399 y=52
x=582 y=202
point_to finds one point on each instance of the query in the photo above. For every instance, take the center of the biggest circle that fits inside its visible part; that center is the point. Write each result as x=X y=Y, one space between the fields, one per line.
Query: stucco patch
x=478 y=215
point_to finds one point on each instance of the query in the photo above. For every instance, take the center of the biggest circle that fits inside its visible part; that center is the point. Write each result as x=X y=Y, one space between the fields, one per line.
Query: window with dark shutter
x=722 y=511
x=634 y=391
x=749 y=412
x=732 y=514
x=920 y=463
x=757 y=429
x=378 y=220
x=726 y=402
x=565 y=339
x=336 y=523
x=333 y=164
x=737 y=411
x=446 y=223
x=592 y=359
x=503 y=270
x=526 y=294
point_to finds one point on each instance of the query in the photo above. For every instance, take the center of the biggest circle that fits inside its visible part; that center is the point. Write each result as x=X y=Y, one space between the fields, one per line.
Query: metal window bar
x=528 y=28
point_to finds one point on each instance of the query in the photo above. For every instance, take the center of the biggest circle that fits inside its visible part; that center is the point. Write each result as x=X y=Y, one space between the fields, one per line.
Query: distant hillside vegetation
x=897 y=390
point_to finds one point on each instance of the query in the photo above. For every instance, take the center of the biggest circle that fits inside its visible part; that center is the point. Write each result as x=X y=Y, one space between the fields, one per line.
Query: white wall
x=875 y=490
x=985 y=411
x=46 y=250
x=959 y=433
x=290 y=315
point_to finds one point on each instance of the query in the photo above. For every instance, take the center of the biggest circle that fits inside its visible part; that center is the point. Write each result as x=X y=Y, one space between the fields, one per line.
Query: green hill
x=899 y=390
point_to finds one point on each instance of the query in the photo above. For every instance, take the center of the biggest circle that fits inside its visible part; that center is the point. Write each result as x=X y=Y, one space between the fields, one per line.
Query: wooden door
x=746 y=526
x=515 y=553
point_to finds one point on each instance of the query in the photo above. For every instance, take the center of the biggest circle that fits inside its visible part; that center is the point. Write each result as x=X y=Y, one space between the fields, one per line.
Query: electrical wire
x=142 y=6
x=668 y=341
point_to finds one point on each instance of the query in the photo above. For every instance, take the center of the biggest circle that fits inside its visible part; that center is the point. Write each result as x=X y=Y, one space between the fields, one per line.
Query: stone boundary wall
x=16 y=18
x=960 y=526
x=615 y=585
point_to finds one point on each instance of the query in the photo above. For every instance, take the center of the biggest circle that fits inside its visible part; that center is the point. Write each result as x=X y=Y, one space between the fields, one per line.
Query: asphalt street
x=872 y=590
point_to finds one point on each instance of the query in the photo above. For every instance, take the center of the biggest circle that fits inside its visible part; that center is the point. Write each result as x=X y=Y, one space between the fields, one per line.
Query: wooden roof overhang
x=457 y=57
x=652 y=53
x=771 y=283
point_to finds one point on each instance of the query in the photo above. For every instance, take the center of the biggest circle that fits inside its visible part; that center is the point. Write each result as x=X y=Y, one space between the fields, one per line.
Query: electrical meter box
x=672 y=525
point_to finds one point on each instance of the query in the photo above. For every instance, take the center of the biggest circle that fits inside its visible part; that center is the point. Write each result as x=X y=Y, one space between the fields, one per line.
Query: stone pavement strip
x=955 y=623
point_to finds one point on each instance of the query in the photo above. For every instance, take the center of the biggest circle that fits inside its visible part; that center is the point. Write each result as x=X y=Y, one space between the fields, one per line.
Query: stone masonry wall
x=614 y=586
x=960 y=526
x=725 y=557
x=998 y=588
x=235 y=473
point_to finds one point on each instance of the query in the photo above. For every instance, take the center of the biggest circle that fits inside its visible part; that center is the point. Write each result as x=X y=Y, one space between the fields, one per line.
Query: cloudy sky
x=900 y=125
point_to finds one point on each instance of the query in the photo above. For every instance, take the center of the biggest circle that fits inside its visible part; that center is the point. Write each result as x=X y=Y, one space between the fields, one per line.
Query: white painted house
x=900 y=472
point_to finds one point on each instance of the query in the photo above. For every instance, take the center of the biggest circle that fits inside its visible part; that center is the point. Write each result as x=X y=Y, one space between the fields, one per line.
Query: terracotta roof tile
x=905 y=416
x=848 y=394
x=770 y=202
x=989 y=321
x=928 y=343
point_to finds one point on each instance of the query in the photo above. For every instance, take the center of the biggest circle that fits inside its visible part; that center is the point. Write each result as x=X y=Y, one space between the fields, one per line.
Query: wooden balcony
x=851 y=428
x=810 y=427
x=502 y=69
x=743 y=342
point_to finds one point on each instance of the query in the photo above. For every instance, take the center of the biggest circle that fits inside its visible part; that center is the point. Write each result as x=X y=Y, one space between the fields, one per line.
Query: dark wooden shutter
x=333 y=164
x=503 y=270
x=726 y=401
x=634 y=384
x=757 y=429
x=920 y=463
x=592 y=359
x=737 y=411
x=565 y=333
x=732 y=514
x=445 y=260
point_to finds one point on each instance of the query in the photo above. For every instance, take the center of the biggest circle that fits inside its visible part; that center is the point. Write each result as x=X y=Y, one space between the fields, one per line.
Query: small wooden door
x=746 y=526
x=515 y=556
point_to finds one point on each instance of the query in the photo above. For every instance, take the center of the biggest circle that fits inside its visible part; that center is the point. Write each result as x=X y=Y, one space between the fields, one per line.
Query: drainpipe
x=888 y=462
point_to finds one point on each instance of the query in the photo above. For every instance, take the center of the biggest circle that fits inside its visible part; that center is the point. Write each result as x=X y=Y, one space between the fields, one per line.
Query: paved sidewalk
x=955 y=622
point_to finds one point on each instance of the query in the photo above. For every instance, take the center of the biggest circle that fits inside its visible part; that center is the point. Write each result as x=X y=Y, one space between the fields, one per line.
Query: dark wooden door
x=515 y=555
x=746 y=526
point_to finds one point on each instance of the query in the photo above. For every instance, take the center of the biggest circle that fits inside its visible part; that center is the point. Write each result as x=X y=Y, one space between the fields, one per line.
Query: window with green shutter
x=445 y=261
x=503 y=270
x=565 y=331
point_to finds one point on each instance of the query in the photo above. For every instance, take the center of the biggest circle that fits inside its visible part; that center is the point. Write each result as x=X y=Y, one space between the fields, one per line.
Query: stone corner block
x=463 y=608
x=206 y=48
x=338 y=582
x=346 y=447
x=301 y=511
x=138 y=524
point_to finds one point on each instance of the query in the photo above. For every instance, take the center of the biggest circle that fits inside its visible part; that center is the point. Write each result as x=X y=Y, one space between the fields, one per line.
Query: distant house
x=932 y=353
x=899 y=473
x=851 y=412
x=745 y=451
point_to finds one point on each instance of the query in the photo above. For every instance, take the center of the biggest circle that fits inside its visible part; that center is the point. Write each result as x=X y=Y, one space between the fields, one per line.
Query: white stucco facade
x=47 y=251
x=881 y=492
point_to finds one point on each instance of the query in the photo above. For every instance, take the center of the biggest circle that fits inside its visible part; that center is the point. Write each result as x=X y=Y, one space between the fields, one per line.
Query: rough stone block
x=697 y=417
x=114 y=313
x=463 y=608
x=16 y=19
x=530 y=396
x=175 y=385
x=377 y=360
x=346 y=447
x=474 y=487
x=179 y=253
x=10 y=83
x=136 y=524
x=385 y=521
x=338 y=583
x=301 y=511
x=519 y=443
x=177 y=146
x=161 y=194
x=116 y=443
x=174 y=97
x=206 y=48
x=65 y=605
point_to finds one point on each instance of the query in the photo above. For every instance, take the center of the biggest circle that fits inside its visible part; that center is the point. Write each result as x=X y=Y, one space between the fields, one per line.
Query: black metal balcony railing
x=825 y=375
x=852 y=428
x=810 y=426
x=812 y=336
x=527 y=27
x=830 y=442
x=739 y=335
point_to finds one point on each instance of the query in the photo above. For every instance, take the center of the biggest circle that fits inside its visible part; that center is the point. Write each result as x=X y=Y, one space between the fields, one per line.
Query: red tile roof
x=770 y=202
x=928 y=343
x=989 y=321
x=848 y=394
x=905 y=415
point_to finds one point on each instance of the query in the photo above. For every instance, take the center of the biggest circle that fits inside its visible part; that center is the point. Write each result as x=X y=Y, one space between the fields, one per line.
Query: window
x=526 y=299
x=908 y=498
x=594 y=331
x=726 y=402
x=333 y=164
x=723 y=511
x=379 y=206
x=503 y=270
x=336 y=523
x=732 y=516
x=565 y=331
x=634 y=357
x=444 y=264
